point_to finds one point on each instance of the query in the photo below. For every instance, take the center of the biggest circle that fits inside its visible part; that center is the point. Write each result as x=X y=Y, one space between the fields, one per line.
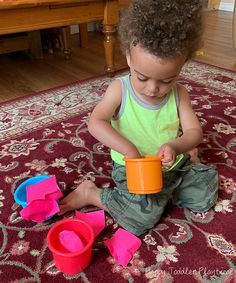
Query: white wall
x=227 y=5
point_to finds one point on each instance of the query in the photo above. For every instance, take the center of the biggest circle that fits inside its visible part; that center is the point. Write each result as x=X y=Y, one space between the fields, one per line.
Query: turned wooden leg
x=109 y=46
x=83 y=35
x=66 y=41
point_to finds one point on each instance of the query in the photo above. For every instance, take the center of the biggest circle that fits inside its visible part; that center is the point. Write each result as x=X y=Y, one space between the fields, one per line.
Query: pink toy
x=71 y=241
x=42 y=200
x=96 y=219
x=39 y=210
x=47 y=188
x=66 y=261
x=123 y=245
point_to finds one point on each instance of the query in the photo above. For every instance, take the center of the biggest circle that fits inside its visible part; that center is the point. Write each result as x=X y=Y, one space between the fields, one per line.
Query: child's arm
x=100 y=122
x=192 y=131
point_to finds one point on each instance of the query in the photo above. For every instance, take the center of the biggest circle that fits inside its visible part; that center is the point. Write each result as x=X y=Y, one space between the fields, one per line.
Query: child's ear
x=127 y=54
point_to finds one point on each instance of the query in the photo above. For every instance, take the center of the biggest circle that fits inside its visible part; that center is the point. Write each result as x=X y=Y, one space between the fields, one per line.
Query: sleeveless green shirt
x=146 y=126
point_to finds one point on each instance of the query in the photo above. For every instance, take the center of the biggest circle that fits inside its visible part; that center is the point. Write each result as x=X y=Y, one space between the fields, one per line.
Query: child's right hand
x=134 y=153
x=168 y=155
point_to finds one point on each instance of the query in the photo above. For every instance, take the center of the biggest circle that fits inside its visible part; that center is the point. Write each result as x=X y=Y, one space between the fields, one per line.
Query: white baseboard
x=75 y=28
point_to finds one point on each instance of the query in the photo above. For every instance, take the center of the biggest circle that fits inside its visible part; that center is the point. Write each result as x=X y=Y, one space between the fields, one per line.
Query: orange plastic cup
x=144 y=175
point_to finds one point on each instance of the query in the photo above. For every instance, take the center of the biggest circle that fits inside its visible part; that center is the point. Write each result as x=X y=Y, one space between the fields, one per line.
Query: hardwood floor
x=218 y=43
x=20 y=75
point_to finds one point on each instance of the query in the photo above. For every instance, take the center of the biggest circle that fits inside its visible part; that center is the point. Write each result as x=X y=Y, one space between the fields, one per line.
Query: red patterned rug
x=46 y=133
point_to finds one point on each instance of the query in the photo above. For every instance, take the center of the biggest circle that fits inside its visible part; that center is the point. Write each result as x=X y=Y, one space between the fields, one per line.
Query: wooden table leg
x=111 y=18
x=109 y=48
x=66 y=37
x=35 y=45
x=83 y=35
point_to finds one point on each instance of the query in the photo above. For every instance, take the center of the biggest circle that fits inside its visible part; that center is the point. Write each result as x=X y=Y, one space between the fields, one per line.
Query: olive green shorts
x=191 y=185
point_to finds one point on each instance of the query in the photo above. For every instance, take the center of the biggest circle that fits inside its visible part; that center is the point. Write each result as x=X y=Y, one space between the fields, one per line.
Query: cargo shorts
x=189 y=185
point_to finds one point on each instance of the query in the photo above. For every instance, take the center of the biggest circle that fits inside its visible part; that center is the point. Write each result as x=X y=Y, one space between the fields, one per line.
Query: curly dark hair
x=165 y=28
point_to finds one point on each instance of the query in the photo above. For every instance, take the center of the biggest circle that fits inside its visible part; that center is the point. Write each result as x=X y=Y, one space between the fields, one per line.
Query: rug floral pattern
x=46 y=133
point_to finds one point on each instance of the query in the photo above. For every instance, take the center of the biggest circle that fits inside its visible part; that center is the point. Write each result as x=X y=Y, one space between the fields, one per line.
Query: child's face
x=152 y=77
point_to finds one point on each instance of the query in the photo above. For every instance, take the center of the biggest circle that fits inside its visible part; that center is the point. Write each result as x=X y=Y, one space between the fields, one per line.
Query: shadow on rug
x=46 y=133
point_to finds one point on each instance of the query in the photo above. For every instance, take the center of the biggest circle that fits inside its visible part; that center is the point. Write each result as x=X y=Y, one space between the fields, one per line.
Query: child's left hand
x=168 y=155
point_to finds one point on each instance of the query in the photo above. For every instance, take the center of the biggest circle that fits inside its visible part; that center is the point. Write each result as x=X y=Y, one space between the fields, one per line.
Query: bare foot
x=194 y=156
x=86 y=194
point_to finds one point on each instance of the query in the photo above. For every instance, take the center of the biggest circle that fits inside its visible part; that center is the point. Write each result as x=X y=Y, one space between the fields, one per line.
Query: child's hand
x=133 y=154
x=168 y=155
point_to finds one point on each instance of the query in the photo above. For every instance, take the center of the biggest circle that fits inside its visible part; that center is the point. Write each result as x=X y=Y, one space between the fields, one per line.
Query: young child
x=143 y=112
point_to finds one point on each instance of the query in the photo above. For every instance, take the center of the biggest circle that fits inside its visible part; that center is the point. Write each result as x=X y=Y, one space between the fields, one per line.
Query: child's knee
x=205 y=205
x=199 y=189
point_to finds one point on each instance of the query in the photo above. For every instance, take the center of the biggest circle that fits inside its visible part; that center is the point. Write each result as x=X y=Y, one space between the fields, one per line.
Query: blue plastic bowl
x=20 y=192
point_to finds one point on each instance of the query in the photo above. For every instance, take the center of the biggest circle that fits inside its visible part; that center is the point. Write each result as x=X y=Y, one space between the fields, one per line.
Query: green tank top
x=146 y=126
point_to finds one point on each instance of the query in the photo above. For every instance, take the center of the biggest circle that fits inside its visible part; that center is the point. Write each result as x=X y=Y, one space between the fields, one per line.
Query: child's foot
x=194 y=155
x=86 y=193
